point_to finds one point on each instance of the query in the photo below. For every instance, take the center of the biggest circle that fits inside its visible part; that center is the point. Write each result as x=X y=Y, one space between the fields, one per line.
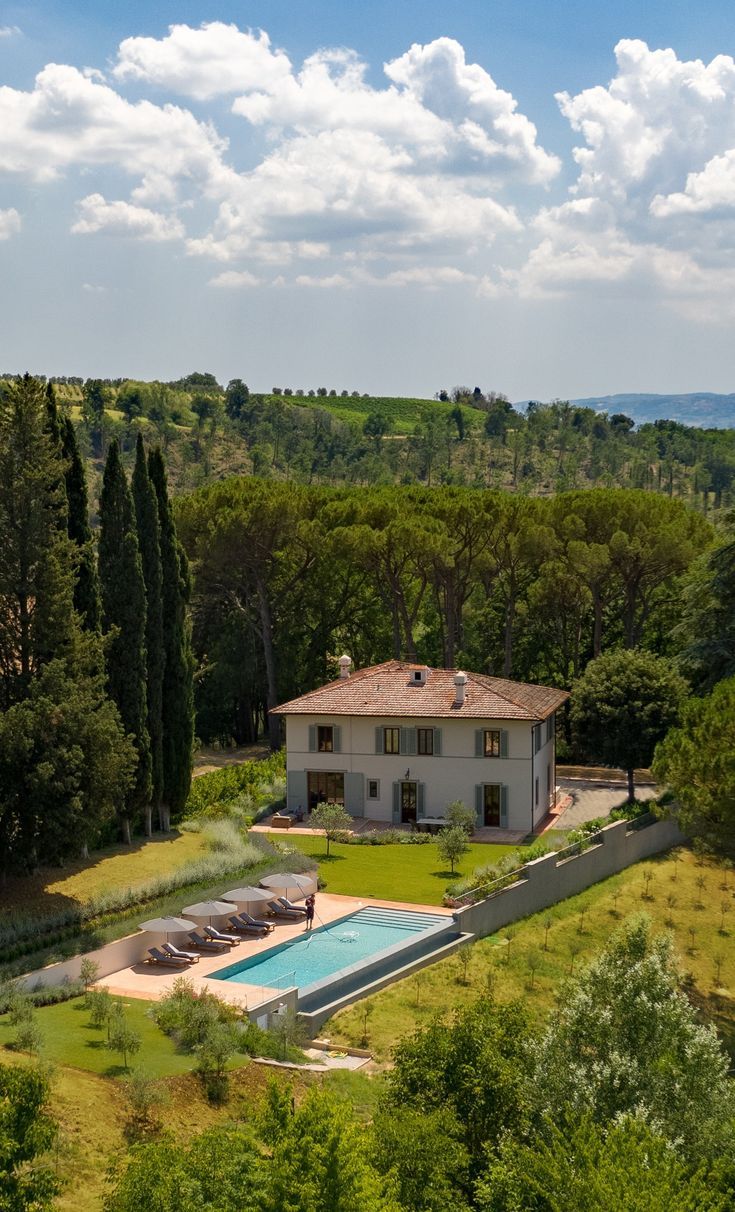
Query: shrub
x=218 y=793
x=189 y=1016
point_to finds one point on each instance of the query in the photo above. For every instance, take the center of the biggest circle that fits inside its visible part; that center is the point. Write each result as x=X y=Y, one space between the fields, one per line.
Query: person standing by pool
x=310 y=911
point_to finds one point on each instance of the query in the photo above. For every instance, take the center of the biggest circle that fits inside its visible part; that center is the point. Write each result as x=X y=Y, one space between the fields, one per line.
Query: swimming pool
x=332 y=949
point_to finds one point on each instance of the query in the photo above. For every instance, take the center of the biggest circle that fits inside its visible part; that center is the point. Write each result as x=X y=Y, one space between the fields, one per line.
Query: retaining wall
x=549 y=879
x=123 y=953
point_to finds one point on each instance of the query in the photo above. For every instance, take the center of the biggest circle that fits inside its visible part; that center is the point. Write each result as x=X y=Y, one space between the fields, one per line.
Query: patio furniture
x=237 y=923
x=431 y=824
x=288 y=915
x=156 y=956
x=218 y=936
x=288 y=883
x=256 y=921
x=280 y=822
x=287 y=904
x=207 y=944
x=177 y=953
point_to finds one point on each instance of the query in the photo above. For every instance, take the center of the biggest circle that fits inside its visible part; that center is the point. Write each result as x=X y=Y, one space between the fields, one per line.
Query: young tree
x=452 y=844
x=696 y=760
x=28 y=1134
x=333 y=819
x=124 y=621
x=460 y=815
x=622 y=706
x=178 y=695
x=123 y=1038
x=149 y=541
x=144 y=1096
x=625 y=1041
x=221 y=1169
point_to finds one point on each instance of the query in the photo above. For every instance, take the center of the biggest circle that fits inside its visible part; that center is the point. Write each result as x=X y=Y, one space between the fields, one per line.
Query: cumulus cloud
x=125 y=219
x=10 y=223
x=9 y=31
x=234 y=279
x=204 y=63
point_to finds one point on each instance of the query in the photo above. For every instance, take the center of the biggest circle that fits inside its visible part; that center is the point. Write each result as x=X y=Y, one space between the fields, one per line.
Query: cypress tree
x=86 y=587
x=145 y=501
x=124 y=621
x=178 y=694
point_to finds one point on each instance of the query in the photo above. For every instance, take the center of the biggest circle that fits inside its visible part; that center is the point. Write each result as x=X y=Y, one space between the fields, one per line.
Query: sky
x=389 y=197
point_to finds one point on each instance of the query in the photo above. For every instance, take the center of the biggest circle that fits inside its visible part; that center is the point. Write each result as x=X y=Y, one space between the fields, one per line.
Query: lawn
x=394 y=872
x=116 y=867
x=692 y=900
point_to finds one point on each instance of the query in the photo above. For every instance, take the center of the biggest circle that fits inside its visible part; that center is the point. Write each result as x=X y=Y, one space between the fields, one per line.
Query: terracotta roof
x=389 y=690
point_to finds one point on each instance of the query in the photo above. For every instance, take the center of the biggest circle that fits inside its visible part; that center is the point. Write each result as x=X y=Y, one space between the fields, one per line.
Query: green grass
x=393 y=872
x=403 y=413
x=580 y=928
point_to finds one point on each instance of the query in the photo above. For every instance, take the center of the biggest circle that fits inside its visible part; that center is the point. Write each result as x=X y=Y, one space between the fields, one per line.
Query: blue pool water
x=330 y=949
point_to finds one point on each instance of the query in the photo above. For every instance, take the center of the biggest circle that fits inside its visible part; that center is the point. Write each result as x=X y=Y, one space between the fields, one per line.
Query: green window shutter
x=479 y=805
x=420 y=799
x=504 y=742
x=479 y=742
x=378 y=740
x=408 y=740
x=438 y=742
x=355 y=794
x=312 y=738
x=297 y=789
x=504 y=807
x=337 y=739
x=396 y=803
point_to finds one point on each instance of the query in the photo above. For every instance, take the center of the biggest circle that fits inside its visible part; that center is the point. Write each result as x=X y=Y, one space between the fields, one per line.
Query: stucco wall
x=452 y=775
x=548 y=880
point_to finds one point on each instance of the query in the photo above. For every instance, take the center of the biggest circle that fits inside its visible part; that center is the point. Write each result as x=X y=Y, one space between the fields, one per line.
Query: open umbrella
x=209 y=909
x=247 y=896
x=167 y=925
x=290 y=883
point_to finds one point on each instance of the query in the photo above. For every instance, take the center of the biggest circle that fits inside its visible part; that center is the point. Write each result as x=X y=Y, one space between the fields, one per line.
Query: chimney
x=460 y=682
x=344 y=665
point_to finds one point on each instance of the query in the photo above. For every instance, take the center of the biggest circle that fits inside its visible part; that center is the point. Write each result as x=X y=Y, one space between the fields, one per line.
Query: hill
x=702 y=409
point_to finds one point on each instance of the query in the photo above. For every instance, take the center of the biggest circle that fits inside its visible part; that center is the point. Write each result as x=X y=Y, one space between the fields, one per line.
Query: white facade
x=512 y=789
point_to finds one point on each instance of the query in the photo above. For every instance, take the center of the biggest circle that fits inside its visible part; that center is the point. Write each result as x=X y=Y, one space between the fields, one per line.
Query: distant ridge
x=705 y=409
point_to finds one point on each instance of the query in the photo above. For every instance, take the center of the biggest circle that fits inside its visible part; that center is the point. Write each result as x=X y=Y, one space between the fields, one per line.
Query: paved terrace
x=498 y=837
x=151 y=982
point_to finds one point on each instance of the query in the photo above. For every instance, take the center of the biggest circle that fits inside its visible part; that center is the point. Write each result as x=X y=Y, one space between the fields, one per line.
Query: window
x=536 y=738
x=492 y=743
x=324 y=787
x=417 y=677
x=425 y=740
x=325 y=739
x=391 y=740
x=373 y=789
x=550 y=727
x=537 y=791
x=491 y=797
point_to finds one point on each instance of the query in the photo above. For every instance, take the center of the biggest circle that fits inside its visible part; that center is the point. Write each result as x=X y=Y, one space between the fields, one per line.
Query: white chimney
x=345 y=663
x=460 y=682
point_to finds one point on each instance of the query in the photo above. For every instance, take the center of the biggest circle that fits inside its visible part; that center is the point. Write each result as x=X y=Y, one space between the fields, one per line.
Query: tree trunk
x=125 y=830
x=631 y=786
x=148 y=819
x=510 y=612
x=266 y=635
x=597 y=631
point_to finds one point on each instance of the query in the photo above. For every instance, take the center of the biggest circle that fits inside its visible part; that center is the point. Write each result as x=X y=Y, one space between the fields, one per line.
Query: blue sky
x=389 y=197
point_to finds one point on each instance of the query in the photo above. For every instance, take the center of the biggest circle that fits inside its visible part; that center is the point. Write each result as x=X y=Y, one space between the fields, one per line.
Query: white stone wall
x=451 y=776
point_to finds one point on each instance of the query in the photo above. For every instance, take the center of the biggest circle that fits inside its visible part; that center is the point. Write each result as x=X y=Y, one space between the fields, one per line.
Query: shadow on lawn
x=445 y=875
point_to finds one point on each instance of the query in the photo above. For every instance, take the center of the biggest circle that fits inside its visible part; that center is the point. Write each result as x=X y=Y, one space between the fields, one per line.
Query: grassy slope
x=116 y=867
x=393 y=872
x=581 y=924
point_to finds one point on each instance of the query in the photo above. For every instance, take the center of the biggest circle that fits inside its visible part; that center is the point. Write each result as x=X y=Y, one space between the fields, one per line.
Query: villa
x=398 y=742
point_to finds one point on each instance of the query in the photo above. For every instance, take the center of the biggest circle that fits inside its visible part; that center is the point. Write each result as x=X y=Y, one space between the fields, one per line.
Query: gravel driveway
x=593 y=799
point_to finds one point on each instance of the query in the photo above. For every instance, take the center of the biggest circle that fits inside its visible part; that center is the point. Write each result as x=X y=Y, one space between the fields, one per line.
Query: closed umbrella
x=168 y=925
x=209 y=909
x=247 y=896
x=290 y=883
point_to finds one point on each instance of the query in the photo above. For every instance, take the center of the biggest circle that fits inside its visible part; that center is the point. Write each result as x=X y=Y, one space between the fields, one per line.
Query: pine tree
x=178 y=695
x=124 y=622
x=86 y=588
x=145 y=501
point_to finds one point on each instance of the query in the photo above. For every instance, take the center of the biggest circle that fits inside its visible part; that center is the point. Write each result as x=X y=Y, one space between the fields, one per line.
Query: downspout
x=533 y=768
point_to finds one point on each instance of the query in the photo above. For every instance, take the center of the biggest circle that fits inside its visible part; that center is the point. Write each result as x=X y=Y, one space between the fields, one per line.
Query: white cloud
x=9 y=31
x=10 y=223
x=125 y=219
x=234 y=279
x=203 y=63
x=328 y=282
x=92 y=288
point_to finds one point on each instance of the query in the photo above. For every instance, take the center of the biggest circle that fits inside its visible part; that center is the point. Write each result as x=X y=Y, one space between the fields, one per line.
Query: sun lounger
x=218 y=937
x=207 y=944
x=256 y=921
x=237 y=923
x=167 y=961
x=177 y=953
x=287 y=904
x=288 y=915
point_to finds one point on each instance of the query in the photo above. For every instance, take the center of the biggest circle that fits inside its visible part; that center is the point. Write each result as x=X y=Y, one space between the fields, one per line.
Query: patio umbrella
x=247 y=895
x=167 y=925
x=290 y=882
x=209 y=909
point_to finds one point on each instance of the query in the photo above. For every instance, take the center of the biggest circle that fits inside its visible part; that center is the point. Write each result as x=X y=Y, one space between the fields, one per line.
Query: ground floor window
x=491 y=804
x=373 y=789
x=325 y=787
x=409 y=803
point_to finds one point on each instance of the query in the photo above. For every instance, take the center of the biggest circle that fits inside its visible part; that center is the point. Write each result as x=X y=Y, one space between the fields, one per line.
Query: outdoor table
x=432 y=824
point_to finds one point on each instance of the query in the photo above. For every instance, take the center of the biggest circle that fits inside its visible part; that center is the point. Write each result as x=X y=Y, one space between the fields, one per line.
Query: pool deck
x=151 y=982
